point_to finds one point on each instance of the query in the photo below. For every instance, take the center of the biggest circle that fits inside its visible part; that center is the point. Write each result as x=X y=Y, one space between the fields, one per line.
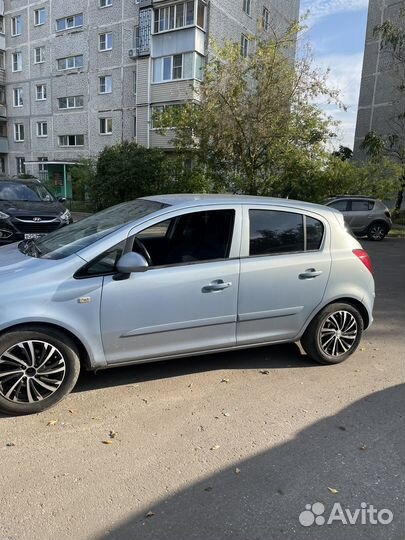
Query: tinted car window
x=315 y=230
x=104 y=264
x=362 y=206
x=339 y=205
x=275 y=232
x=198 y=236
x=10 y=191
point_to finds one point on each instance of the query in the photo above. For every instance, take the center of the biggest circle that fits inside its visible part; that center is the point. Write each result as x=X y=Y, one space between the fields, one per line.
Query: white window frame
x=106 y=91
x=266 y=19
x=106 y=37
x=66 y=61
x=2 y=59
x=161 y=60
x=20 y=165
x=244 y=46
x=104 y=3
x=42 y=92
x=41 y=59
x=16 y=25
x=40 y=129
x=38 y=19
x=70 y=26
x=18 y=100
x=19 y=132
x=105 y=125
x=162 y=108
x=165 y=17
x=247 y=7
x=16 y=61
x=60 y=137
x=68 y=106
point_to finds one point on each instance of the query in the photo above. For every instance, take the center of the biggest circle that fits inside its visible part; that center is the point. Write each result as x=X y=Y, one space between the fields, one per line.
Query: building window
x=179 y=66
x=105 y=126
x=105 y=41
x=135 y=127
x=244 y=46
x=105 y=84
x=20 y=164
x=71 y=102
x=159 y=110
x=39 y=16
x=3 y=128
x=2 y=165
x=135 y=77
x=2 y=59
x=40 y=92
x=2 y=95
x=42 y=129
x=71 y=140
x=179 y=16
x=105 y=3
x=42 y=168
x=18 y=97
x=16 y=25
x=1 y=24
x=67 y=23
x=266 y=19
x=39 y=55
x=70 y=62
x=18 y=132
x=247 y=6
x=16 y=61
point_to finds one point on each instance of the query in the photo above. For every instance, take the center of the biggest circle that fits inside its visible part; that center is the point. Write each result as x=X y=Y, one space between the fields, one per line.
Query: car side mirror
x=132 y=262
x=62 y=199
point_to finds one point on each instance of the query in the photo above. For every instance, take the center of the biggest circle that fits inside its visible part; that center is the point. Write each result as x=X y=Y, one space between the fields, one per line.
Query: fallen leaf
x=144 y=400
x=10 y=444
x=363 y=447
x=190 y=385
x=106 y=442
x=209 y=488
x=71 y=411
x=333 y=490
x=225 y=380
x=376 y=349
x=264 y=371
x=150 y=514
x=112 y=434
x=237 y=471
x=52 y=422
x=226 y=414
x=215 y=447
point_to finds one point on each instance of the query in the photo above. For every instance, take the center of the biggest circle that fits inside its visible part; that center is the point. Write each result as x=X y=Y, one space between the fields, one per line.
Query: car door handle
x=217 y=285
x=310 y=273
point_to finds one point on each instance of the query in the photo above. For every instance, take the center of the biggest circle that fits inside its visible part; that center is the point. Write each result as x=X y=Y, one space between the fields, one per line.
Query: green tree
x=392 y=43
x=255 y=115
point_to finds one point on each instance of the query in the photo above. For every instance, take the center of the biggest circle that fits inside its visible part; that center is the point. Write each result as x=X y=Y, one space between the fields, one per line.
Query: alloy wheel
x=31 y=371
x=377 y=232
x=338 y=333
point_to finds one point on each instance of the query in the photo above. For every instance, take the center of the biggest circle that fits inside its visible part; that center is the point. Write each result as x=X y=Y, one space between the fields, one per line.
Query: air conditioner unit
x=132 y=53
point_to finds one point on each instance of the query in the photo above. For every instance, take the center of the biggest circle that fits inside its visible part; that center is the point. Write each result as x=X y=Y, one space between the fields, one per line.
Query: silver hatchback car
x=177 y=275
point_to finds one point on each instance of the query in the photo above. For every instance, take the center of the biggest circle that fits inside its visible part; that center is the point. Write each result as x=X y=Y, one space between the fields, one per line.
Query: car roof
x=185 y=200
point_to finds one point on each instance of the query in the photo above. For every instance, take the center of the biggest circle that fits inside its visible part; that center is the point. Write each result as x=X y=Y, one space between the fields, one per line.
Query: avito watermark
x=367 y=514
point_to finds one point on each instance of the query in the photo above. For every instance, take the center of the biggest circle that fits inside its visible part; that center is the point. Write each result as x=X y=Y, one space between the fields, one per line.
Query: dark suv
x=29 y=210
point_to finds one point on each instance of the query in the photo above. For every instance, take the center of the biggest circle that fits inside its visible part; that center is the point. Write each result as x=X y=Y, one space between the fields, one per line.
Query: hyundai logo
x=36 y=219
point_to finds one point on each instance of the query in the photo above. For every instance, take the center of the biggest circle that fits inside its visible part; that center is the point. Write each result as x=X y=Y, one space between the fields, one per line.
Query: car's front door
x=285 y=266
x=187 y=300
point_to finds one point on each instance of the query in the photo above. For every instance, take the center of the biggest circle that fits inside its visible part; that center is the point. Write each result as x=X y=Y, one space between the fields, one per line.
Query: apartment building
x=79 y=75
x=380 y=99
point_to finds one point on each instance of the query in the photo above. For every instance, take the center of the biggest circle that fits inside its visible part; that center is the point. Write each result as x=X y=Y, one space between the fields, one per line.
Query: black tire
x=377 y=231
x=36 y=390
x=322 y=328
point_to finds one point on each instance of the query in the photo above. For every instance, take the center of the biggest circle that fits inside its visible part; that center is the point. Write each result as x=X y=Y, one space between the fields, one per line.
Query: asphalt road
x=211 y=448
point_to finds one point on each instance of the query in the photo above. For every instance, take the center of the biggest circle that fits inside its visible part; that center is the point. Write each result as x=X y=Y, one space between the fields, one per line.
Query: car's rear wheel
x=377 y=231
x=37 y=369
x=334 y=334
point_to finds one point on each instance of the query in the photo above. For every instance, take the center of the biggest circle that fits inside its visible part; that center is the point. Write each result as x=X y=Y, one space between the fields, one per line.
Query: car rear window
x=362 y=206
x=315 y=230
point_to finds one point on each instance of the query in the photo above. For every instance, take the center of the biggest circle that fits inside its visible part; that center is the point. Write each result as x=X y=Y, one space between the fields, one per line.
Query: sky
x=336 y=33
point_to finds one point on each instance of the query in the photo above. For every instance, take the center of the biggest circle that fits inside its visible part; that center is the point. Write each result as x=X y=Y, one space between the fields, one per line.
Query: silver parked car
x=176 y=275
x=364 y=215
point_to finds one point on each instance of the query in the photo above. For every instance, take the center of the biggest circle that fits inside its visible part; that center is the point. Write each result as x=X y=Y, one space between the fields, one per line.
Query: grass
x=397 y=232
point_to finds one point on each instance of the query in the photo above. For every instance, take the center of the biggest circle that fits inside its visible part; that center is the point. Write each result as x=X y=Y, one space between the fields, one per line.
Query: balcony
x=3 y=145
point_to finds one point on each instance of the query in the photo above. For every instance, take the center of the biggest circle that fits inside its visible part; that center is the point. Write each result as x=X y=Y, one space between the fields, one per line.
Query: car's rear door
x=182 y=306
x=285 y=267
x=359 y=214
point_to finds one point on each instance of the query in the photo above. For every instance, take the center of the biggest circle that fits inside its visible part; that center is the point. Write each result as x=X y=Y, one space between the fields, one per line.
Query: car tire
x=377 y=231
x=38 y=367
x=334 y=334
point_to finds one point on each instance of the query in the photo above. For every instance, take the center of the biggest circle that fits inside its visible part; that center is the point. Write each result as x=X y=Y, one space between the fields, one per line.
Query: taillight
x=365 y=259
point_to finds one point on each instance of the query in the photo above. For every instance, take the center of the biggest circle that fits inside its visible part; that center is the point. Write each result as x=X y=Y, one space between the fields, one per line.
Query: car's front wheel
x=37 y=369
x=334 y=334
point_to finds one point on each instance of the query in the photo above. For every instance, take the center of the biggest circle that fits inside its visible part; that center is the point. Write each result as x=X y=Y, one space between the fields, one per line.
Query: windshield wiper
x=29 y=247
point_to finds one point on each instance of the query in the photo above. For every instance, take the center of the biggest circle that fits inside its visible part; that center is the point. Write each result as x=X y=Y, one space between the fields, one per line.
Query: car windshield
x=79 y=235
x=12 y=191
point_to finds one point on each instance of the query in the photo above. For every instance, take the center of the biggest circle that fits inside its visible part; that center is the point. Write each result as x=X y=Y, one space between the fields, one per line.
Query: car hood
x=31 y=207
x=12 y=260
